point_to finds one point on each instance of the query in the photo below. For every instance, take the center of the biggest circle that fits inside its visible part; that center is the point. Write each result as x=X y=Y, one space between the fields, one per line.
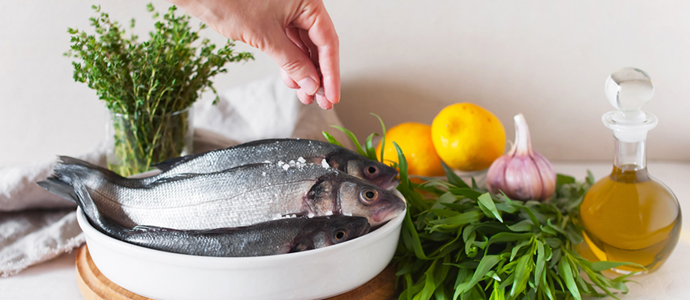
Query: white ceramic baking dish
x=314 y=274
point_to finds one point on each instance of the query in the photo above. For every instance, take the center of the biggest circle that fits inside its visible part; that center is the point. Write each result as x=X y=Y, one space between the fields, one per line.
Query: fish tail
x=84 y=169
x=101 y=222
x=71 y=168
x=76 y=192
x=60 y=188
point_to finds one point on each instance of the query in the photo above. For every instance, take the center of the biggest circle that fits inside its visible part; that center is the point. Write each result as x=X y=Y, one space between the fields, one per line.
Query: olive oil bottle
x=629 y=216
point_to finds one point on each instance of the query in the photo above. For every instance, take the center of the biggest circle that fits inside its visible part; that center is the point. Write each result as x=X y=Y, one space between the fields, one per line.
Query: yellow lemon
x=415 y=142
x=468 y=137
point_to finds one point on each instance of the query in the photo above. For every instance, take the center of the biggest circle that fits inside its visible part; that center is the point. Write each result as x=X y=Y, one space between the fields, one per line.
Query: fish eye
x=340 y=235
x=371 y=171
x=369 y=195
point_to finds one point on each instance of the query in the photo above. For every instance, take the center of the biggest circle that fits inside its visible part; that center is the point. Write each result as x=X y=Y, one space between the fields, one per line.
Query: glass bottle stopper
x=628 y=90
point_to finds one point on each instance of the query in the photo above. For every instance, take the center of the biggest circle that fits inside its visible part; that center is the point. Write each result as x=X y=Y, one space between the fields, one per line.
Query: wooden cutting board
x=95 y=286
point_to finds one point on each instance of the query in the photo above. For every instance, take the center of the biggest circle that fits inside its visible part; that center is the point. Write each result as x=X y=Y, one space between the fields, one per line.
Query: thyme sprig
x=460 y=242
x=147 y=81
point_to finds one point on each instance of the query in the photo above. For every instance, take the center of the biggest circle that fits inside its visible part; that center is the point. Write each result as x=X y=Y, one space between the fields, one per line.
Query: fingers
x=296 y=64
x=322 y=100
x=322 y=34
x=288 y=81
x=313 y=50
x=304 y=98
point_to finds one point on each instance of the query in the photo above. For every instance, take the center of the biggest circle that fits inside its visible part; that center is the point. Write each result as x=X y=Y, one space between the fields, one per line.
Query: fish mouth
x=388 y=213
x=390 y=184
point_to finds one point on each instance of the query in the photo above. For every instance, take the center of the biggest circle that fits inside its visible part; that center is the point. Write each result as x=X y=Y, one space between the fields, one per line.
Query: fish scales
x=237 y=197
x=294 y=152
x=271 y=150
x=266 y=238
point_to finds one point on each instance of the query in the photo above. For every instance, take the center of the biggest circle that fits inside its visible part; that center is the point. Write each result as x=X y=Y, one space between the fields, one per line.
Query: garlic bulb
x=522 y=174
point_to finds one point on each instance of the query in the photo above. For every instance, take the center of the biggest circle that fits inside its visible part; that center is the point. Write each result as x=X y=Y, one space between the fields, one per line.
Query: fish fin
x=302 y=245
x=170 y=163
x=172 y=178
x=60 y=188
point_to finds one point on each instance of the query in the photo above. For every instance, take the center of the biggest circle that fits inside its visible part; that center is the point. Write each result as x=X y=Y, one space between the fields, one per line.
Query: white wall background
x=402 y=59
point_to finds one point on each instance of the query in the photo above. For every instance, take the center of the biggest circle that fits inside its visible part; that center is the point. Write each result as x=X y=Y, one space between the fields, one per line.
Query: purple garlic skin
x=522 y=173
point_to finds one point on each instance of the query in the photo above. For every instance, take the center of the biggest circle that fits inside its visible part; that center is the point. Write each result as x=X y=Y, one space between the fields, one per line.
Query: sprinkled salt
x=267 y=161
x=280 y=163
x=286 y=167
x=325 y=164
x=301 y=160
x=311 y=215
x=263 y=174
x=328 y=213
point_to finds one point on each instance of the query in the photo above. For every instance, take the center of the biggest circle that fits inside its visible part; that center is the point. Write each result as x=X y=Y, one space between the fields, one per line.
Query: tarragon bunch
x=460 y=242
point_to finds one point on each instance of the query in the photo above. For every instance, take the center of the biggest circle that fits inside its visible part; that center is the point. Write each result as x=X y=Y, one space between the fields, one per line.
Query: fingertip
x=323 y=102
x=304 y=98
x=336 y=99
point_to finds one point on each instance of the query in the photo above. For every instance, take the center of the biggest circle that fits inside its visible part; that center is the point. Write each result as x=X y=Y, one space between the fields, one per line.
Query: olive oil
x=631 y=217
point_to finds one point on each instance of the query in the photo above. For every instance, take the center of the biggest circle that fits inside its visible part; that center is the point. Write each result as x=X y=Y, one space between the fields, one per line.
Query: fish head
x=361 y=167
x=322 y=197
x=360 y=198
x=336 y=229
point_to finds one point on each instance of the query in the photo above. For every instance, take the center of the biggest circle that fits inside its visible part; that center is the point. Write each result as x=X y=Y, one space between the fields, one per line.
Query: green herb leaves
x=164 y=74
x=460 y=242
x=509 y=249
x=147 y=81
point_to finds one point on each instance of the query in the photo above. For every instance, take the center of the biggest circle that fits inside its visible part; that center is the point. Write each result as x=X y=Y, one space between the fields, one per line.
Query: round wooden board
x=95 y=286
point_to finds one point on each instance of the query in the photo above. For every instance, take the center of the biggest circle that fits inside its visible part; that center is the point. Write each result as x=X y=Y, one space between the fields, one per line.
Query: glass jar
x=138 y=141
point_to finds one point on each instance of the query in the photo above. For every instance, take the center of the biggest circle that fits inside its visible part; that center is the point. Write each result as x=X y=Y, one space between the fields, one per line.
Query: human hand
x=298 y=34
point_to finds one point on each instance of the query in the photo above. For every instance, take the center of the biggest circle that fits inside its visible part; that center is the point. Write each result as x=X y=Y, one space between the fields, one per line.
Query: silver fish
x=267 y=238
x=236 y=197
x=276 y=150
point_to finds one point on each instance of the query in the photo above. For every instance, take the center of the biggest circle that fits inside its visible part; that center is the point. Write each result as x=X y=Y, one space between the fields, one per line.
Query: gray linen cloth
x=36 y=226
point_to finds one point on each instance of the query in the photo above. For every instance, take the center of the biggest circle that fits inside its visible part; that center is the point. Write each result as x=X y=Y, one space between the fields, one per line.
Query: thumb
x=294 y=62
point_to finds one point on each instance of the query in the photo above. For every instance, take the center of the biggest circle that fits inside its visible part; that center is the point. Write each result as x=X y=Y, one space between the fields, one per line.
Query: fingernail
x=320 y=92
x=308 y=85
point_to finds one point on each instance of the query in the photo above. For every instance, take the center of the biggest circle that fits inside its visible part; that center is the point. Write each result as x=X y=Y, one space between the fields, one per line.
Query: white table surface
x=56 y=279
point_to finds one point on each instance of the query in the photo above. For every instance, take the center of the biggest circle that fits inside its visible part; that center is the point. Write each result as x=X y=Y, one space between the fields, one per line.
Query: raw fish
x=240 y=196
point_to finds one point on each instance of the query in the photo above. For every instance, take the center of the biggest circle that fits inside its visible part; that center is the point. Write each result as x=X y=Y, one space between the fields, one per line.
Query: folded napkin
x=36 y=226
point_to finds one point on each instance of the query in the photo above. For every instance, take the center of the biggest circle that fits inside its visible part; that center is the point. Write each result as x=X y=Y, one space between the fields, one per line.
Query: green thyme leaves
x=149 y=84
